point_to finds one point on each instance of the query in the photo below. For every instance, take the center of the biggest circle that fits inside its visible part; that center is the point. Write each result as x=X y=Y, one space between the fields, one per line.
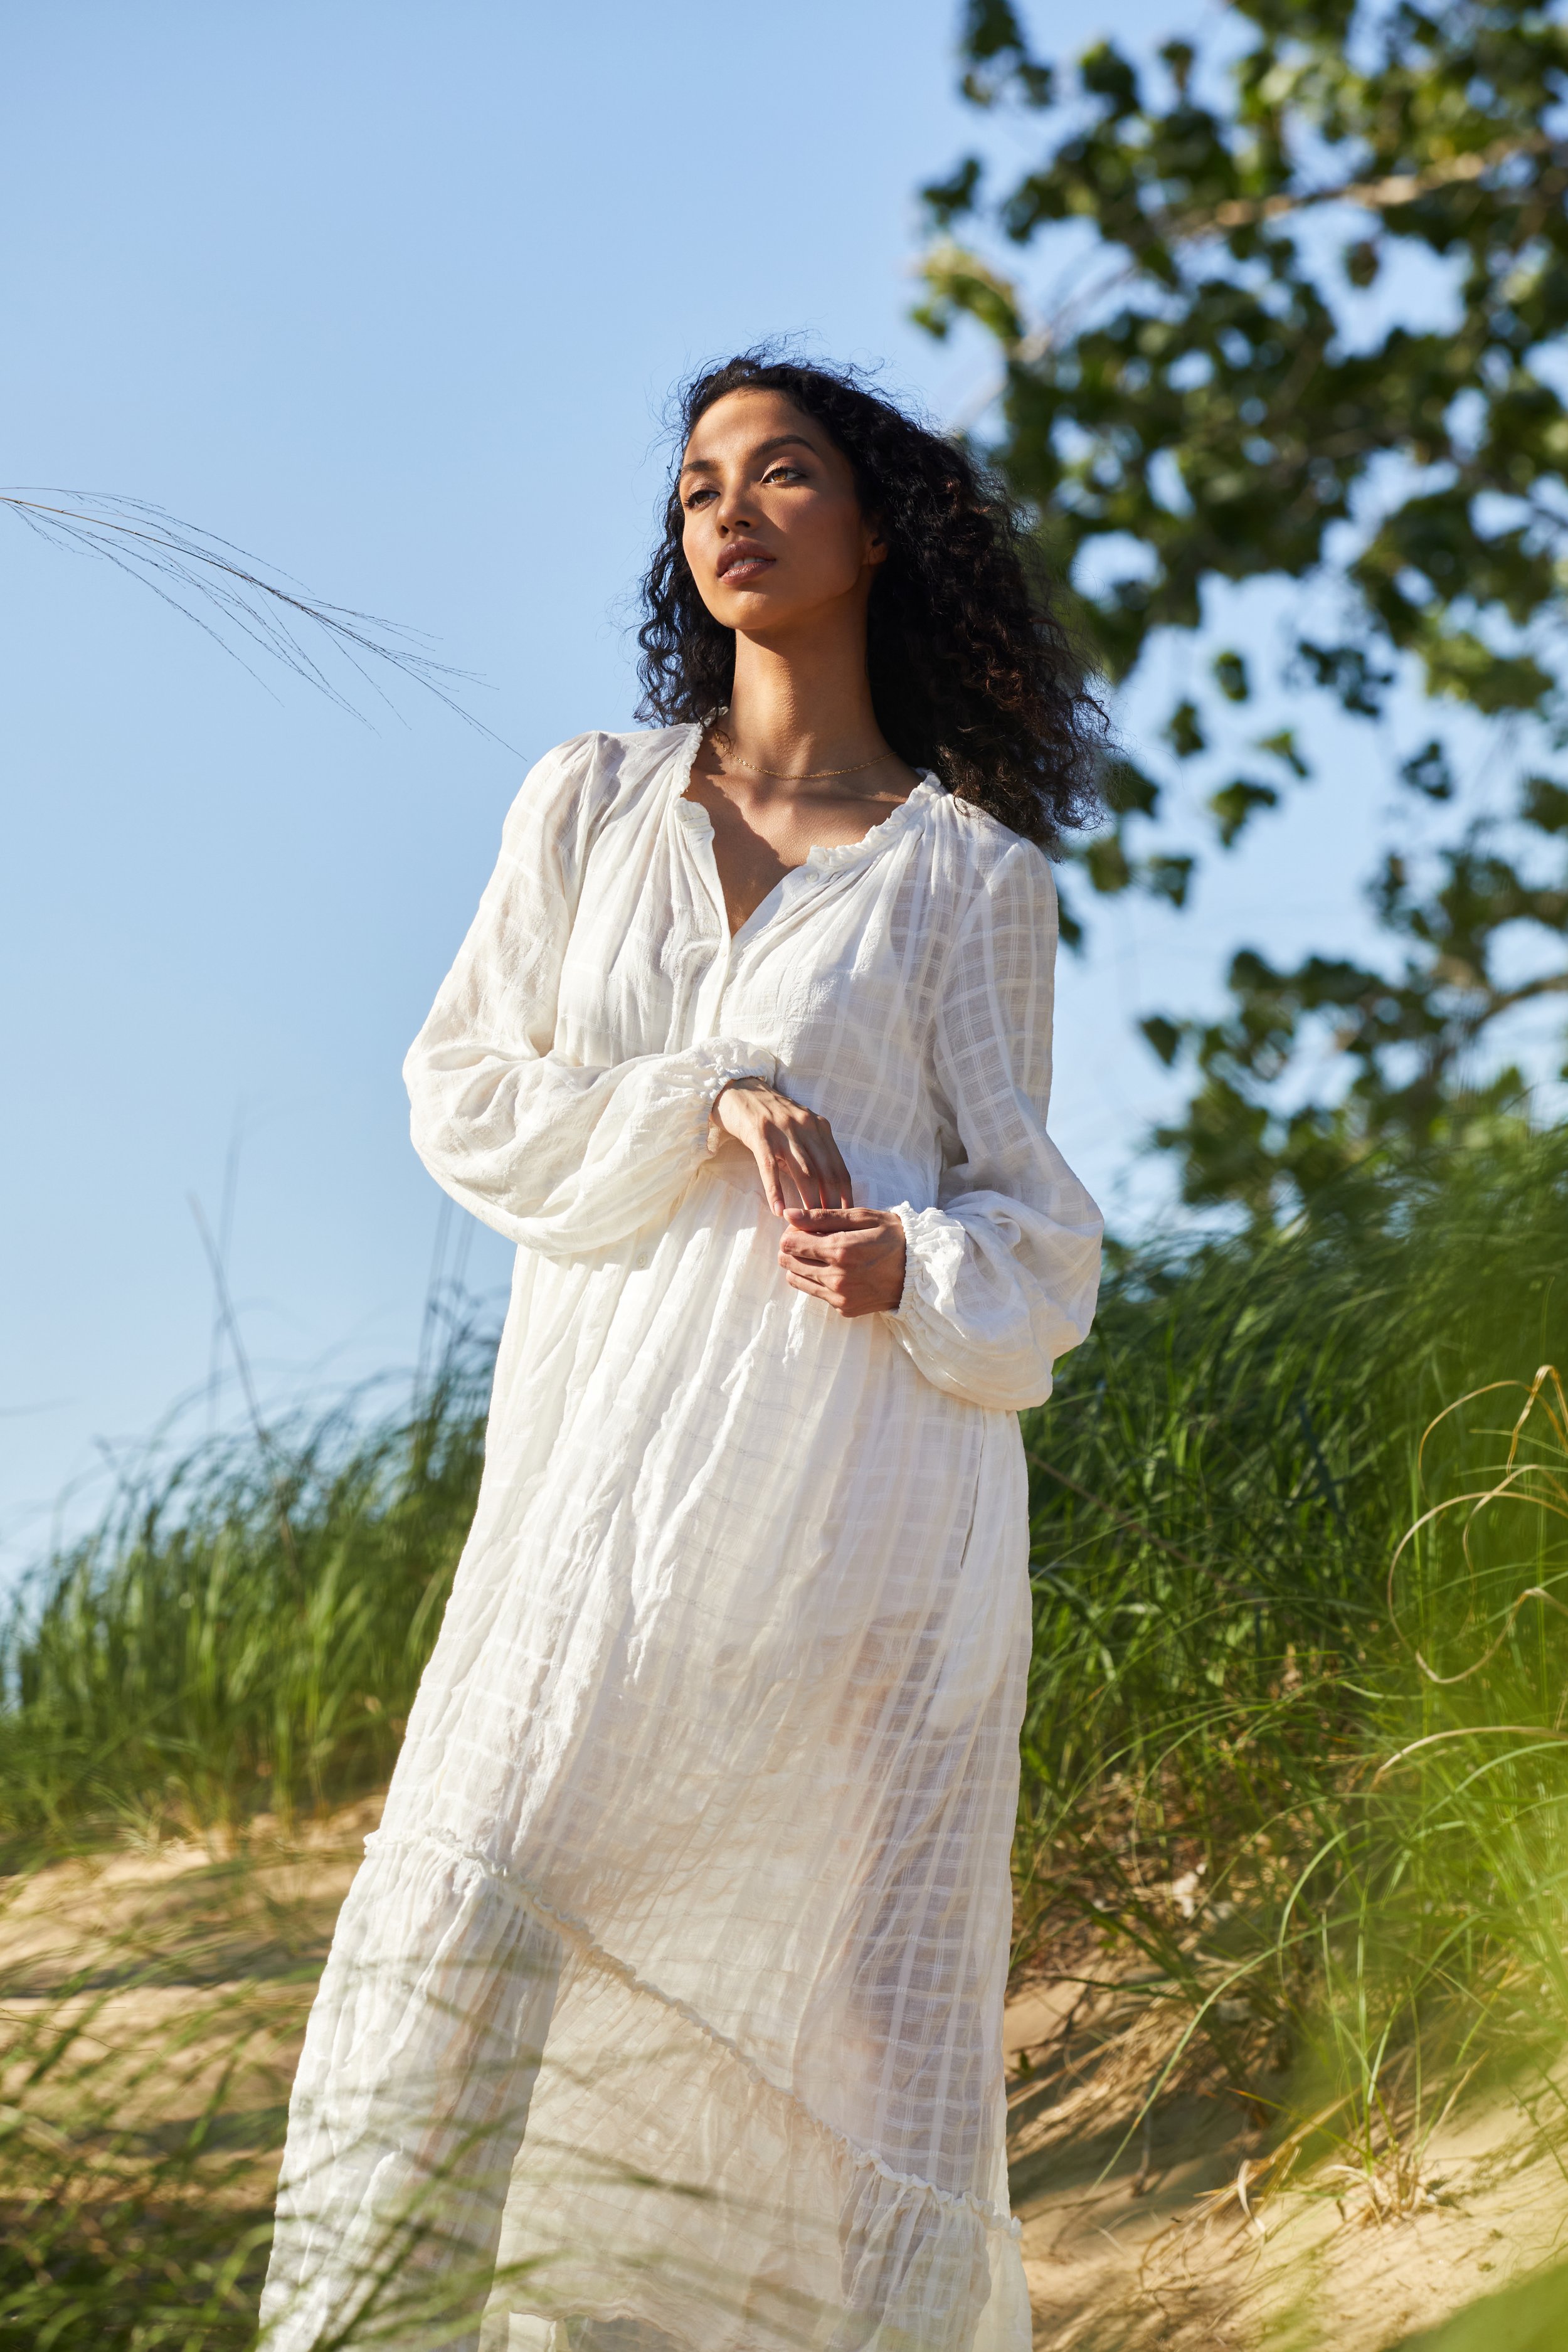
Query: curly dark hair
x=972 y=673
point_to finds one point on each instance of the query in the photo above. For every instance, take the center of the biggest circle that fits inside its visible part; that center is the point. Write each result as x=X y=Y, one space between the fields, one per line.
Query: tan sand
x=1140 y=2233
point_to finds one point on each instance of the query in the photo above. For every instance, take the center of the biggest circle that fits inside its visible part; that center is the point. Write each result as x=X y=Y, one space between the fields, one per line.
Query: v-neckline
x=764 y=907
x=822 y=856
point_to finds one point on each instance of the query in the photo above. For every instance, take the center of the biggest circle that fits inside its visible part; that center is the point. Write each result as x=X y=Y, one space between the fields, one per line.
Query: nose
x=735 y=510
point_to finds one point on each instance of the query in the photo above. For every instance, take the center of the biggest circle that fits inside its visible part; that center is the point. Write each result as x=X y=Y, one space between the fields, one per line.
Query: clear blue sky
x=392 y=294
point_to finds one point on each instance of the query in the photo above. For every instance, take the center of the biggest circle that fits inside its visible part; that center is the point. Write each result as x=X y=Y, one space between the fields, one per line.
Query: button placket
x=699 y=828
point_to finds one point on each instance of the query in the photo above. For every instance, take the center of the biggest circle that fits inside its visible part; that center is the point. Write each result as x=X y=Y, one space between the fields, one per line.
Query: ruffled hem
x=587 y=1948
x=496 y=2117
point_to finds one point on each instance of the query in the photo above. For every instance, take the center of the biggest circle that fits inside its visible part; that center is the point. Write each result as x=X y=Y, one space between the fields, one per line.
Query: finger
x=807 y=1249
x=820 y=1223
x=768 y=1171
x=797 y=1281
x=841 y=1187
x=828 y=1280
x=829 y=1238
x=815 y=1139
x=790 y=1186
x=832 y=1178
x=825 y=1231
x=798 y=1160
x=797 y=1270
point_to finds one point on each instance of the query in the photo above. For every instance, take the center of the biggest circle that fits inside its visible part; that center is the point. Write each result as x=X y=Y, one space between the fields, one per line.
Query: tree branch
x=1372 y=195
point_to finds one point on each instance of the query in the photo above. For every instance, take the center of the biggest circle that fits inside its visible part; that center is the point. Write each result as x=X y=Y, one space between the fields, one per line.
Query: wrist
x=717 y=1123
x=747 y=1083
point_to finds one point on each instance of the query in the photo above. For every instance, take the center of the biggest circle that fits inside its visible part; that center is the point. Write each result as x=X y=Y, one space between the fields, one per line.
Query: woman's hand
x=799 y=1163
x=852 y=1259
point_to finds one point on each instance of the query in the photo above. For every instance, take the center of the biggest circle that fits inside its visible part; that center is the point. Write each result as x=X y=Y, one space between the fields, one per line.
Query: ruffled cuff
x=963 y=1317
x=625 y=1143
x=720 y=1061
x=934 y=1250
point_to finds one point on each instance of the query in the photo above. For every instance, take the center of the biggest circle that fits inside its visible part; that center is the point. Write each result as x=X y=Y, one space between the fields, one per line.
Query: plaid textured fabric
x=665 y=2014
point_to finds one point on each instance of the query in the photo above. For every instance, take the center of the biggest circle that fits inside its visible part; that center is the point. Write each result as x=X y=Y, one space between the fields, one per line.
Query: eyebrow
x=779 y=441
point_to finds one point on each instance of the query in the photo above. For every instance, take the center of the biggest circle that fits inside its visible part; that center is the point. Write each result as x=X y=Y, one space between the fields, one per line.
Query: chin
x=744 y=608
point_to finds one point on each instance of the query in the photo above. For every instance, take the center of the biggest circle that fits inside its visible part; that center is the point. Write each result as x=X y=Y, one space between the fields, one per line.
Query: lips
x=743 y=560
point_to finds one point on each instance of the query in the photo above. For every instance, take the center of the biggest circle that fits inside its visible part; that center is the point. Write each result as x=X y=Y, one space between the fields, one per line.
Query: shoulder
x=602 y=763
x=985 y=866
x=578 y=784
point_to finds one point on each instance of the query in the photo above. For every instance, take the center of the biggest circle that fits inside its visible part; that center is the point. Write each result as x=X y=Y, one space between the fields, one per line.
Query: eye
x=699 y=497
x=783 y=472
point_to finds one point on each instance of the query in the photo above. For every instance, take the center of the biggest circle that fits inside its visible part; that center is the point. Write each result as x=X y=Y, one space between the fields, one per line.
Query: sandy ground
x=180 y=1976
x=1157 y=2230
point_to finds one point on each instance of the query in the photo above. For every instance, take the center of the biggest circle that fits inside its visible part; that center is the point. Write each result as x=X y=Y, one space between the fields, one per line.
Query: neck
x=806 y=703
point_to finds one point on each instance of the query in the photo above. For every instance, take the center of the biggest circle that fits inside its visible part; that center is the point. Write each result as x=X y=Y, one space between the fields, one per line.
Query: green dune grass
x=1313 y=1784
x=1314 y=1816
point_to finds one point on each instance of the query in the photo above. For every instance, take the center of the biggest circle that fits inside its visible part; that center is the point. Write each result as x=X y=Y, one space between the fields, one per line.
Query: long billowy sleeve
x=564 y=1160
x=1002 y=1273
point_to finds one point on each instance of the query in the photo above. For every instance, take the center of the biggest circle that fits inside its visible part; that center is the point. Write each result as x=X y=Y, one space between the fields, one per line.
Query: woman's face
x=774 y=530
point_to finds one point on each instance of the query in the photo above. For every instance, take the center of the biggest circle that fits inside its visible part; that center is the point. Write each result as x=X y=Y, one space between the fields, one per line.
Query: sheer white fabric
x=665 y=2010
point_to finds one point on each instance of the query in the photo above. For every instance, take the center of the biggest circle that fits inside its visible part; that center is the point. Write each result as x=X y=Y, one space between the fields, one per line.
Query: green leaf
x=1128 y=791
x=1427 y=772
x=1235 y=805
x=991 y=29
x=1283 y=747
x=1184 y=732
x=1178 y=57
x=961 y=284
x=1106 y=75
x=1001 y=64
x=1461 y=664
x=1230 y=404
x=1346 y=672
x=1163 y=1037
x=1230 y=676
x=1108 y=864
x=1168 y=876
x=948 y=200
x=1544 y=804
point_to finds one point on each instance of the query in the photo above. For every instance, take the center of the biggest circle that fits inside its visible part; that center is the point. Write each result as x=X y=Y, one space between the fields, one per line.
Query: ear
x=876 y=546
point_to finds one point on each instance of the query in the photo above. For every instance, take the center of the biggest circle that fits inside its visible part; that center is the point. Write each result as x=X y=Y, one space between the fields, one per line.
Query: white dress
x=664 y=2013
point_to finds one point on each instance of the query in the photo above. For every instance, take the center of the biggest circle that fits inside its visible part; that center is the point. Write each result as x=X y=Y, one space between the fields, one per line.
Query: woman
x=664 y=2013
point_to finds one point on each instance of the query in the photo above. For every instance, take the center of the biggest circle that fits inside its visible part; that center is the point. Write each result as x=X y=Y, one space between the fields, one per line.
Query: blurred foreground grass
x=1304 y=1826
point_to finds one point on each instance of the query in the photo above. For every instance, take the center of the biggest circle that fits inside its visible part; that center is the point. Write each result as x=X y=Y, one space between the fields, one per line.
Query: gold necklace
x=807 y=775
